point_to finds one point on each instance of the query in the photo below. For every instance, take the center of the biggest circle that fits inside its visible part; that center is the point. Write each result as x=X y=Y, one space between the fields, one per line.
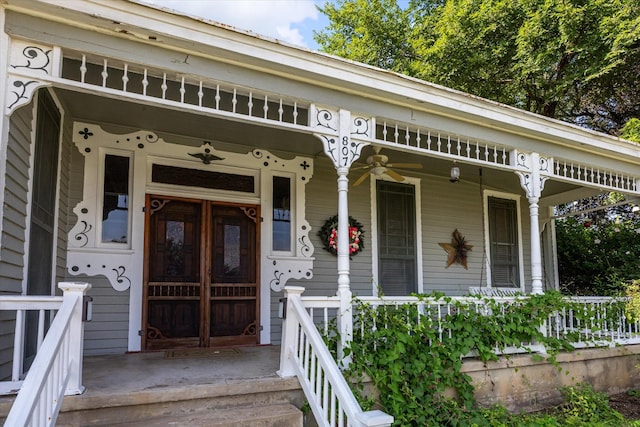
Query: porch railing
x=590 y=322
x=305 y=355
x=57 y=368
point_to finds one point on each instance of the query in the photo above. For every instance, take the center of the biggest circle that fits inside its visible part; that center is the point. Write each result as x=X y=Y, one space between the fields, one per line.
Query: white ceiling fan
x=377 y=165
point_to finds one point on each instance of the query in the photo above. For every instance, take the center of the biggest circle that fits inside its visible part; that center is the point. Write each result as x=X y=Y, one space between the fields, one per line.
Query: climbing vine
x=416 y=364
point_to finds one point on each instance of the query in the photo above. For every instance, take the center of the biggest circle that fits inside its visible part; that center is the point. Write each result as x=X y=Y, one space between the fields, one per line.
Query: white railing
x=305 y=355
x=590 y=322
x=57 y=368
x=45 y=307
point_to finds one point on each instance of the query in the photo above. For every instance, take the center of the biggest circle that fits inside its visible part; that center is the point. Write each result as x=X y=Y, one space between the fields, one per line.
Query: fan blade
x=394 y=175
x=361 y=179
x=405 y=165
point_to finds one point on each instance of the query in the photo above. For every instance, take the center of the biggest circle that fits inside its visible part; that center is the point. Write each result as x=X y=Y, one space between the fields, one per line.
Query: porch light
x=455 y=173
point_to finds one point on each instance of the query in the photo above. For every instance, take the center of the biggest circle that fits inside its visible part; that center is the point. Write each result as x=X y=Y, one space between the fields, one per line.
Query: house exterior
x=184 y=170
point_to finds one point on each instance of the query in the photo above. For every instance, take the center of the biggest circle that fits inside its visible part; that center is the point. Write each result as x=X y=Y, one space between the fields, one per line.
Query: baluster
x=439 y=144
x=504 y=156
x=332 y=411
x=280 y=111
x=495 y=154
x=407 y=137
x=182 y=90
x=217 y=97
x=164 y=86
x=295 y=113
x=200 y=94
x=418 y=138
x=486 y=152
x=83 y=68
x=429 y=140
x=41 y=316
x=234 y=101
x=384 y=131
x=104 y=73
x=396 y=134
x=459 y=147
x=250 y=103
x=468 y=149
x=125 y=77
x=448 y=144
x=325 y=397
x=265 y=108
x=145 y=82
x=477 y=151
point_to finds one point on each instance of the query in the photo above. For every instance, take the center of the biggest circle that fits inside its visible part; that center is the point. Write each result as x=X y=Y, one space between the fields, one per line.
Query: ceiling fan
x=377 y=165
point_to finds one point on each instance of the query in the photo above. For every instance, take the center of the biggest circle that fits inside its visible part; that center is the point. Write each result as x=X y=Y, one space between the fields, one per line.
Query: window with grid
x=396 y=209
x=503 y=242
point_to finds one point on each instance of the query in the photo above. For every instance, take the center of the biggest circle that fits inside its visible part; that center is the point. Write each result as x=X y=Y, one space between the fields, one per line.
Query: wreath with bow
x=329 y=236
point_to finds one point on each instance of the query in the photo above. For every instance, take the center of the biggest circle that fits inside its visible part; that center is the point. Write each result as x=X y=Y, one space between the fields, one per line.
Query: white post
x=345 y=319
x=536 y=253
x=289 y=331
x=532 y=181
x=343 y=150
x=76 y=347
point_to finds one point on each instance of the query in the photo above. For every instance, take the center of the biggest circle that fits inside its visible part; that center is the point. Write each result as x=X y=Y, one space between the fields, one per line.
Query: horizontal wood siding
x=108 y=331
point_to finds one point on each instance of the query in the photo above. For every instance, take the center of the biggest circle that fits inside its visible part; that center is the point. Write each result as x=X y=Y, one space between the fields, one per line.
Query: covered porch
x=196 y=166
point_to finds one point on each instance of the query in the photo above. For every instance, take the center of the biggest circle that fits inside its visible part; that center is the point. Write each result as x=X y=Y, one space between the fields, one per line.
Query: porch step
x=263 y=402
x=283 y=415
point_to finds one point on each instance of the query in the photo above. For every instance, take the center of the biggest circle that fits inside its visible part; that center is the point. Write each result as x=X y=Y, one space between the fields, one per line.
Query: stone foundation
x=520 y=383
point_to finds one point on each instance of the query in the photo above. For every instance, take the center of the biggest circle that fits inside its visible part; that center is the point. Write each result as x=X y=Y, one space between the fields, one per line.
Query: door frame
x=205 y=266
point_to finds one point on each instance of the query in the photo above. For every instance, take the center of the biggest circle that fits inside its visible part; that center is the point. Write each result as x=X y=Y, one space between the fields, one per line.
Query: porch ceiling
x=187 y=128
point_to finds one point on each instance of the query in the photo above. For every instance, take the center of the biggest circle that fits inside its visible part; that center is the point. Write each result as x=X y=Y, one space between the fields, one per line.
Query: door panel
x=174 y=285
x=201 y=280
x=233 y=290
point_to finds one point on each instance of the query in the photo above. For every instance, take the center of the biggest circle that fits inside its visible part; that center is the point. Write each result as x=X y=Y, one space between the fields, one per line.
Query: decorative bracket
x=27 y=64
x=339 y=129
x=534 y=172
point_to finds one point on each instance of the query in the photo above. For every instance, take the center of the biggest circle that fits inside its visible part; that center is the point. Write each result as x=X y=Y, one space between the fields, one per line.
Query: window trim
x=487 y=244
x=104 y=152
x=416 y=182
x=292 y=214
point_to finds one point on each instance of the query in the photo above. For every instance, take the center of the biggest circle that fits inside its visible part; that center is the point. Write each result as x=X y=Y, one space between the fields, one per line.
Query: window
x=281 y=214
x=115 y=201
x=397 y=238
x=503 y=242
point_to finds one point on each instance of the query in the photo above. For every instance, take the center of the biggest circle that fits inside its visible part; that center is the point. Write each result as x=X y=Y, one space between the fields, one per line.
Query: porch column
x=340 y=148
x=532 y=181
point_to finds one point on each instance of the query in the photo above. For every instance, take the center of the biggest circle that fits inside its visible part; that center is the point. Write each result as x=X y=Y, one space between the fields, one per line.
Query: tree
x=576 y=60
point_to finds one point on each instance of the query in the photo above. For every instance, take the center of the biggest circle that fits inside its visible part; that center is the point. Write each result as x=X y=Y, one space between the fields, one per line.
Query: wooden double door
x=201 y=274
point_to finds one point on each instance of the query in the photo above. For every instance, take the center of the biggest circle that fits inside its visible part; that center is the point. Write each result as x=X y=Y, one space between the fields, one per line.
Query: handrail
x=57 y=368
x=305 y=355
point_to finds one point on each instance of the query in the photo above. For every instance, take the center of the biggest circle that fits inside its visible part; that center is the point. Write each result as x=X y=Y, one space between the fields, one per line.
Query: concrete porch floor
x=154 y=378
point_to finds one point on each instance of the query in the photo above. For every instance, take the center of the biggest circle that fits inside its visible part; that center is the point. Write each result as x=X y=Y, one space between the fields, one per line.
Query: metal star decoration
x=457 y=249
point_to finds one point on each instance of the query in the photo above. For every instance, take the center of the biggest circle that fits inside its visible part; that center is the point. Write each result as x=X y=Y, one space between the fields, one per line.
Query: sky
x=292 y=21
